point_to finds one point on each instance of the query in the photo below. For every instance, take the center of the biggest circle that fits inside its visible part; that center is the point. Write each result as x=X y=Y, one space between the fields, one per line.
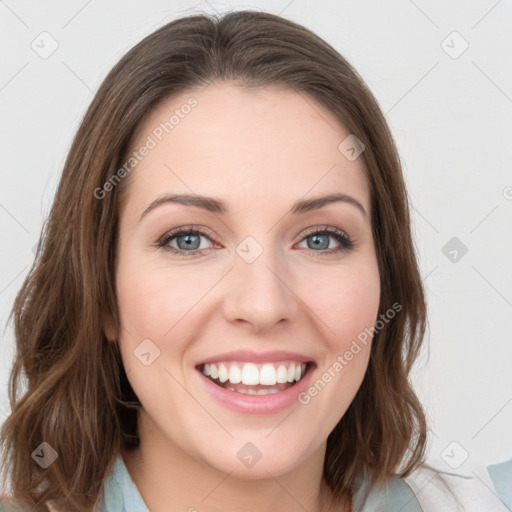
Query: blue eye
x=188 y=241
x=320 y=240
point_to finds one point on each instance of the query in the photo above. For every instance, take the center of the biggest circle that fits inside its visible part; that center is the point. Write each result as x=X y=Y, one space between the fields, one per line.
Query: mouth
x=256 y=378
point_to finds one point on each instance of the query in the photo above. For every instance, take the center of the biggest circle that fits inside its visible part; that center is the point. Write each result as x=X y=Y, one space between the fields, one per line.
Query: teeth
x=282 y=374
x=250 y=374
x=235 y=375
x=253 y=391
x=223 y=373
x=267 y=375
x=291 y=372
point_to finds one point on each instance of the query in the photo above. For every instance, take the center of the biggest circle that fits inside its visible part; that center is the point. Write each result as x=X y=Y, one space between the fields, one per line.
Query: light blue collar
x=120 y=494
x=395 y=495
x=501 y=476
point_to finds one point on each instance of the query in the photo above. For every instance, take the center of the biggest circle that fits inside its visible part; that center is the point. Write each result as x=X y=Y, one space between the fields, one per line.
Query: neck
x=166 y=474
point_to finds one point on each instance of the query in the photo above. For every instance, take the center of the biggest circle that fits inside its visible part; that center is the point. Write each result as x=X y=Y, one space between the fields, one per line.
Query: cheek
x=346 y=302
x=156 y=305
x=346 y=306
x=153 y=300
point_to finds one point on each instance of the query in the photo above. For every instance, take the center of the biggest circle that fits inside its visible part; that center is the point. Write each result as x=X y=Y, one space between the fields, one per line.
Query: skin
x=259 y=151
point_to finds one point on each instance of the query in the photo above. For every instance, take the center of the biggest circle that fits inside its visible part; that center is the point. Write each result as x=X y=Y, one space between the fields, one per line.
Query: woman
x=226 y=302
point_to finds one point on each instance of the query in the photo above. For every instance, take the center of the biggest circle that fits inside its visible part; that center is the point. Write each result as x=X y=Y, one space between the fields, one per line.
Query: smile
x=256 y=382
x=255 y=379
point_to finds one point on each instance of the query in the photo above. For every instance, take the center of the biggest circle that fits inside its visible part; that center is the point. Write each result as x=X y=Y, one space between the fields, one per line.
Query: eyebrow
x=217 y=206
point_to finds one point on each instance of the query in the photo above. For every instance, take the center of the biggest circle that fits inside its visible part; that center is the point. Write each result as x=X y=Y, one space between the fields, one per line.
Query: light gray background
x=451 y=116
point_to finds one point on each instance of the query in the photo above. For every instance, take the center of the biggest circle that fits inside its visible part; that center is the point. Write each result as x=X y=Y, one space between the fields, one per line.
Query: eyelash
x=346 y=242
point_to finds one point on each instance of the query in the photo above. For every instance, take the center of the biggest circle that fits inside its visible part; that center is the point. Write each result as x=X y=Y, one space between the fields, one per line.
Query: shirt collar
x=120 y=494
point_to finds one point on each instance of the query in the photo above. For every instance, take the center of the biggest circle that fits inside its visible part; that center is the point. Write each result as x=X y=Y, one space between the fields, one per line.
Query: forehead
x=262 y=145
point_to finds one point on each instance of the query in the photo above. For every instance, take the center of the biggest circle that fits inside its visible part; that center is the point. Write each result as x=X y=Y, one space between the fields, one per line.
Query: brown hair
x=78 y=398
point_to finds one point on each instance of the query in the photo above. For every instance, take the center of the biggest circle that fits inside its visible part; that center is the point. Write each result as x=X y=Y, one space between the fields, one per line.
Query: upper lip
x=257 y=357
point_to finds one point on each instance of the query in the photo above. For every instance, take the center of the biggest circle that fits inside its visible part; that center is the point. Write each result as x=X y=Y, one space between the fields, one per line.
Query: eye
x=188 y=240
x=320 y=240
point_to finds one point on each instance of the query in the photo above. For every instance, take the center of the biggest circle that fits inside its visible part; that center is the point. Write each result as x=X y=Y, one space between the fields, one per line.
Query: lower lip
x=258 y=404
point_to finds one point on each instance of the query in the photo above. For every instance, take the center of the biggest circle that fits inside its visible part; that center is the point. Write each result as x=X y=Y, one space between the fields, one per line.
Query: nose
x=260 y=294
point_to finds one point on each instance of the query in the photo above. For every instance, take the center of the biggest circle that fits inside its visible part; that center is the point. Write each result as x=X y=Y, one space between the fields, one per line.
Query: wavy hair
x=77 y=397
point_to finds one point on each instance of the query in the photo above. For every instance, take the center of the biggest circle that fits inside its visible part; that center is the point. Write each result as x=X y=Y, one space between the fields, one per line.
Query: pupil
x=188 y=241
x=317 y=244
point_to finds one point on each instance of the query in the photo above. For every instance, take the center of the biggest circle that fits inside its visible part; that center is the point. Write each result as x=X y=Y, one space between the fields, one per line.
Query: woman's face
x=257 y=294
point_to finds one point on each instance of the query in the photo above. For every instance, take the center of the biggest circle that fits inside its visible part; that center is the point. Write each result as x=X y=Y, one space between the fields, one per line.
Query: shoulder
x=438 y=491
x=395 y=494
x=428 y=489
